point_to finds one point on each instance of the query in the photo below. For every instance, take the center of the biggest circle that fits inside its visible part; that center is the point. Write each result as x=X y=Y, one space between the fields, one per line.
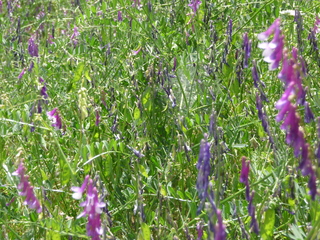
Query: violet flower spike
x=204 y=168
x=55 y=119
x=308 y=115
x=22 y=73
x=78 y=191
x=92 y=208
x=32 y=48
x=244 y=175
x=120 y=16
x=26 y=189
x=247 y=49
x=220 y=228
x=194 y=5
x=265 y=35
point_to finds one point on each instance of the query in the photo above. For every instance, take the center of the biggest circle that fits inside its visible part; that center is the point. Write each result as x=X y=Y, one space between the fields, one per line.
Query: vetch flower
x=120 y=16
x=272 y=50
x=97 y=118
x=32 y=48
x=246 y=46
x=26 y=189
x=78 y=191
x=43 y=91
x=75 y=35
x=194 y=5
x=92 y=207
x=265 y=35
x=22 y=73
x=204 y=168
x=249 y=197
x=308 y=115
x=220 y=228
x=244 y=170
x=55 y=119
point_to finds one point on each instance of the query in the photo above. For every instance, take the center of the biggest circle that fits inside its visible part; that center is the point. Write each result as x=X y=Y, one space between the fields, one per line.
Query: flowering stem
x=244 y=189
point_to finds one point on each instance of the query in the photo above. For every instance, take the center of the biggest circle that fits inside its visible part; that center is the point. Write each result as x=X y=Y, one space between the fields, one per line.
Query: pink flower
x=26 y=189
x=91 y=207
x=194 y=5
x=54 y=117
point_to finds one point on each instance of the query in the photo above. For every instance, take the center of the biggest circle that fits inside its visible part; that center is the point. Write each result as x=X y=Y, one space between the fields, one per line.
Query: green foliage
x=143 y=153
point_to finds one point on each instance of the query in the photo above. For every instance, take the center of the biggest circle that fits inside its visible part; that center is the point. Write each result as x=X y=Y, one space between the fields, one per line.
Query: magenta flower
x=272 y=50
x=265 y=35
x=26 y=189
x=92 y=207
x=194 y=5
x=78 y=191
x=55 y=119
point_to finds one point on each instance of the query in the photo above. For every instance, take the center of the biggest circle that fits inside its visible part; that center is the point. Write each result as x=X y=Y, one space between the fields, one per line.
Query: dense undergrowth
x=155 y=102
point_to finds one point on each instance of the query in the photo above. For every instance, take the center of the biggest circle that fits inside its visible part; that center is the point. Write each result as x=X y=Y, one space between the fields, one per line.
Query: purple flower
x=75 y=35
x=199 y=230
x=27 y=189
x=120 y=16
x=135 y=52
x=204 y=168
x=220 y=228
x=244 y=170
x=32 y=48
x=272 y=51
x=308 y=115
x=312 y=184
x=91 y=207
x=265 y=35
x=78 y=191
x=194 y=5
x=43 y=91
x=22 y=73
x=97 y=118
x=55 y=119
x=246 y=46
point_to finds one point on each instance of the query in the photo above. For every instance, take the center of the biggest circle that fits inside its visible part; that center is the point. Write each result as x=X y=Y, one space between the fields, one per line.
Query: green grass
x=133 y=94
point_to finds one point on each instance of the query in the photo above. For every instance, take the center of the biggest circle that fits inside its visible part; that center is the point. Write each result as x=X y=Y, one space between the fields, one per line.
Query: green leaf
x=144 y=233
x=44 y=175
x=143 y=171
x=66 y=174
x=78 y=72
x=268 y=226
x=108 y=165
x=136 y=113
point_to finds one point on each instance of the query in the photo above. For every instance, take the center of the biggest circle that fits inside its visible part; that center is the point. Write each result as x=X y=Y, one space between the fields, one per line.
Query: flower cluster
x=33 y=48
x=204 y=188
x=244 y=178
x=194 y=5
x=92 y=207
x=246 y=47
x=293 y=69
x=26 y=189
x=204 y=168
x=55 y=118
x=272 y=50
